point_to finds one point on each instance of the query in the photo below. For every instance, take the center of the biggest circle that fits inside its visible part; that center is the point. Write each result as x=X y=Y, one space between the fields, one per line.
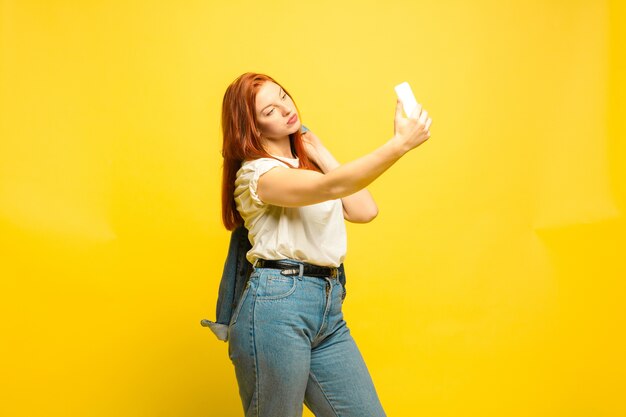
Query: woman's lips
x=293 y=119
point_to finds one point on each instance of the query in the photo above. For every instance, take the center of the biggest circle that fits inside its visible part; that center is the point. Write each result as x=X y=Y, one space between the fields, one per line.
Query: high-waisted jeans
x=290 y=345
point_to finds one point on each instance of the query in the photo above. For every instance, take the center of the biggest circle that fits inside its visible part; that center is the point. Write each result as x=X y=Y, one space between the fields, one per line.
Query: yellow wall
x=491 y=284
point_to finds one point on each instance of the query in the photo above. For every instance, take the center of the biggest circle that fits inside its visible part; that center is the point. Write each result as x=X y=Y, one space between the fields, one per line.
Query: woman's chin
x=295 y=127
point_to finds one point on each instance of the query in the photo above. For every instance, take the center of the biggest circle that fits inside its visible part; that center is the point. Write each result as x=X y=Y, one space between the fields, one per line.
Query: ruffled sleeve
x=260 y=168
x=248 y=178
x=249 y=205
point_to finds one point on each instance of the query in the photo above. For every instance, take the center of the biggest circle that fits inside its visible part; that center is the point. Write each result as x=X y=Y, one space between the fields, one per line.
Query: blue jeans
x=290 y=345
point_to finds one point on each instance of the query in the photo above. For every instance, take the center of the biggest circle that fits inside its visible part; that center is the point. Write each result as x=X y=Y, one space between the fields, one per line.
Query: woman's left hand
x=313 y=146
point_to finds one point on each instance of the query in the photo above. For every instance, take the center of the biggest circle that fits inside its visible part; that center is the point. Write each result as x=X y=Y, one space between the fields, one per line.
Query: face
x=274 y=108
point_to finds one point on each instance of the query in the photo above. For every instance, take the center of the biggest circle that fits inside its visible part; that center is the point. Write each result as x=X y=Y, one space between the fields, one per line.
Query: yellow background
x=491 y=283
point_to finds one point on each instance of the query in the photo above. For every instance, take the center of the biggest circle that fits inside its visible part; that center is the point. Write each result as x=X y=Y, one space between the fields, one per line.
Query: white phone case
x=405 y=94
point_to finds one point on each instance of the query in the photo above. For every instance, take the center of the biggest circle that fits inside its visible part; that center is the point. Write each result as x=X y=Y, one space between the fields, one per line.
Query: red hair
x=242 y=139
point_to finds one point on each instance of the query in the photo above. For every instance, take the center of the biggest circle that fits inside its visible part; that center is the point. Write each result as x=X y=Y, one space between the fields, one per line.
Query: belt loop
x=255 y=262
x=301 y=265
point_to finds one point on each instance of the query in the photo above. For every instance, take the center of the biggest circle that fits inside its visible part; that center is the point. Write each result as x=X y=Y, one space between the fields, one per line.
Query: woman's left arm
x=358 y=207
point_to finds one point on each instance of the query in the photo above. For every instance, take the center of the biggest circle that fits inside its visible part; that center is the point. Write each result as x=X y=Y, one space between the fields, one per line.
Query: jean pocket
x=277 y=286
x=242 y=299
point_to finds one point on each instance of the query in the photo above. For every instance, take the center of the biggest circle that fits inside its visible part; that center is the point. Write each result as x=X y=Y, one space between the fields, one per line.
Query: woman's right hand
x=412 y=131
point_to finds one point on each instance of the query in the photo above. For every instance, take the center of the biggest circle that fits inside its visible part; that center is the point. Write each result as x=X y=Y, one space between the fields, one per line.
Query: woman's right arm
x=297 y=187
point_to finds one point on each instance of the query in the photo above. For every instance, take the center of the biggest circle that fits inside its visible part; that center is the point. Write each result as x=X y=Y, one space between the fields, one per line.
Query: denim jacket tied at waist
x=235 y=275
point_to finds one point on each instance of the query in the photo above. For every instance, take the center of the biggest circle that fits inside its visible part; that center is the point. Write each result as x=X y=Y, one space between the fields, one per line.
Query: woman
x=287 y=337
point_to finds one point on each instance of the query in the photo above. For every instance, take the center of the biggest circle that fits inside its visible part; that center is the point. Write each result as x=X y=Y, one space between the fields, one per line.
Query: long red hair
x=242 y=139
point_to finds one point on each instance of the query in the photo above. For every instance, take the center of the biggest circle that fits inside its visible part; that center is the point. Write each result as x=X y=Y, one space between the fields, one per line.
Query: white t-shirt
x=315 y=234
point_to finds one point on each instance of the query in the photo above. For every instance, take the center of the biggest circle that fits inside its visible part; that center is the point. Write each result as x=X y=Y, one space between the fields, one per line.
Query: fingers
x=398 y=109
x=416 y=113
x=423 y=117
x=425 y=120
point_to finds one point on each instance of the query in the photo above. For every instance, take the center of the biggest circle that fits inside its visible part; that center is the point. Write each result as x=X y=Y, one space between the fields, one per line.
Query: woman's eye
x=284 y=96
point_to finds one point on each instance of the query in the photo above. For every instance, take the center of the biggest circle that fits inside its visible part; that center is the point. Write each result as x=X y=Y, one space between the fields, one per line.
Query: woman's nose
x=286 y=110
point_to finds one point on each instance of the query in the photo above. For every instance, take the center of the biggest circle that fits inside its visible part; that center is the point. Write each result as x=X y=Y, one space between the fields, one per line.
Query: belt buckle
x=294 y=271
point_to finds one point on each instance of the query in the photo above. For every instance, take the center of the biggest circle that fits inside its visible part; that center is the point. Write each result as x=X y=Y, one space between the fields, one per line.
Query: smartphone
x=405 y=94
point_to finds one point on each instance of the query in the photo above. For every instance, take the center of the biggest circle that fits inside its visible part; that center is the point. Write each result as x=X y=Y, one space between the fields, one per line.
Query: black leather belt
x=294 y=269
